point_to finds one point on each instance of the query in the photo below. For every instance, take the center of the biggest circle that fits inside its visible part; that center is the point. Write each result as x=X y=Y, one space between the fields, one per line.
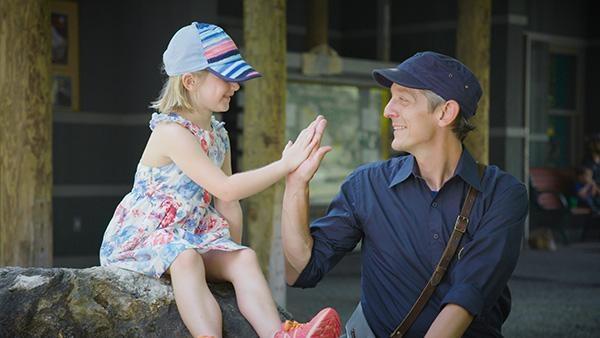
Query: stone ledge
x=101 y=302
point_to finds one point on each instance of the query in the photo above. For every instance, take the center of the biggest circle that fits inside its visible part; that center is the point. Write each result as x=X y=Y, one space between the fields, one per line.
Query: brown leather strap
x=460 y=226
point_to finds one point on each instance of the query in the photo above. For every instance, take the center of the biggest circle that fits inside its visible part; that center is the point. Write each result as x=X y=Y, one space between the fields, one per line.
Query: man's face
x=413 y=123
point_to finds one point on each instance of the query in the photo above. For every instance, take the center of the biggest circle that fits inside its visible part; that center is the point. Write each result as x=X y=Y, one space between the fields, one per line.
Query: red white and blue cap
x=202 y=46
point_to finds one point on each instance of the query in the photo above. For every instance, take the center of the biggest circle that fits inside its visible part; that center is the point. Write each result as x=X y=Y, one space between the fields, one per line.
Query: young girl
x=586 y=189
x=167 y=223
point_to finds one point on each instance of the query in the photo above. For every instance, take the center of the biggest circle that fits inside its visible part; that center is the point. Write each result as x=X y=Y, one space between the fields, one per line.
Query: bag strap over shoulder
x=460 y=226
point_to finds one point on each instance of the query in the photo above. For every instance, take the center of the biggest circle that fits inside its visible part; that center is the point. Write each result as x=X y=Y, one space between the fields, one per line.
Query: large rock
x=100 y=302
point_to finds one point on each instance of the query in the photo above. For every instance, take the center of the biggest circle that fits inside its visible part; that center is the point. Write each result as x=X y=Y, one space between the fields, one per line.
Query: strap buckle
x=461 y=224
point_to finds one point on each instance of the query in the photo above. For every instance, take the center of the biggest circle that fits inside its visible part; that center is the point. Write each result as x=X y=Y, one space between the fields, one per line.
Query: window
x=554 y=105
x=354 y=116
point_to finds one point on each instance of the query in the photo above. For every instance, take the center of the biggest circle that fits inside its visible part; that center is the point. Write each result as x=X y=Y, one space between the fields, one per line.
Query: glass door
x=554 y=84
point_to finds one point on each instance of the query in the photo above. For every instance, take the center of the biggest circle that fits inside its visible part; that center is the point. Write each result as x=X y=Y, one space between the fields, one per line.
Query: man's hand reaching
x=305 y=172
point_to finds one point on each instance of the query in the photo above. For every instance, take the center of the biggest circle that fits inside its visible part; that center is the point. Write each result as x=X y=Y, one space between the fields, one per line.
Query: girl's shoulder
x=217 y=127
x=174 y=118
x=158 y=118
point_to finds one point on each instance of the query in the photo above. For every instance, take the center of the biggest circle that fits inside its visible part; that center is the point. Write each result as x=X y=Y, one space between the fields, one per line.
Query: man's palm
x=305 y=172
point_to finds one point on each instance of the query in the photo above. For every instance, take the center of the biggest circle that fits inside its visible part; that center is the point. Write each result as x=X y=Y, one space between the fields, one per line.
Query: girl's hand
x=295 y=153
x=307 y=169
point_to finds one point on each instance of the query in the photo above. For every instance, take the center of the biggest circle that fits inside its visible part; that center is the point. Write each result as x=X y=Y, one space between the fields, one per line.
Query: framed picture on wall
x=65 y=55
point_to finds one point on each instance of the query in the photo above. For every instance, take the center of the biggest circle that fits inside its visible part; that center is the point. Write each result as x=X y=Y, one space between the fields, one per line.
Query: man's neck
x=438 y=164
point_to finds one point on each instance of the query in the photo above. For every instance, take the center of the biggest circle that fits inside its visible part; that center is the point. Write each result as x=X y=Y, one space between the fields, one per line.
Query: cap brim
x=238 y=71
x=387 y=76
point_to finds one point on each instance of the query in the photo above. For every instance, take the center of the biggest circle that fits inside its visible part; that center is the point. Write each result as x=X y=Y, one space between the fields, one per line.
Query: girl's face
x=211 y=94
x=588 y=176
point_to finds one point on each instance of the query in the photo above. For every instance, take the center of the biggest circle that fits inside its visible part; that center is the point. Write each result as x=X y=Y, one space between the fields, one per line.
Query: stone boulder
x=101 y=302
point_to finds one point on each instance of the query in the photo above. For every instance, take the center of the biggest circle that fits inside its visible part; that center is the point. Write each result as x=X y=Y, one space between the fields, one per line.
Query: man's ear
x=449 y=113
x=188 y=80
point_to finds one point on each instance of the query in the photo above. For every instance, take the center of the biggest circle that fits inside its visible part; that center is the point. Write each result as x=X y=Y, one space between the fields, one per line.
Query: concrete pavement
x=555 y=293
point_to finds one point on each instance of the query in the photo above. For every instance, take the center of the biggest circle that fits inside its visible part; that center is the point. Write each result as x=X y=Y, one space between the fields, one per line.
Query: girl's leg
x=198 y=308
x=254 y=297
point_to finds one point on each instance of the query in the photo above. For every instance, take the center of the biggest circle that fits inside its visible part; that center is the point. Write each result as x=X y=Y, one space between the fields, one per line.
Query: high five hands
x=307 y=148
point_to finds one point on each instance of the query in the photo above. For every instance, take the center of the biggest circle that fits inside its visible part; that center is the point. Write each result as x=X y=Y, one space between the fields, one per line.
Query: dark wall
x=592 y=86
x=592 y=116
x=425 y=25
x=506 y=90
x=557 y=17
x=121 y=48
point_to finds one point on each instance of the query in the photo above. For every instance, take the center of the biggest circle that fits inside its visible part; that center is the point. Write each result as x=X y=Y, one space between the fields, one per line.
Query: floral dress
x=166 y=212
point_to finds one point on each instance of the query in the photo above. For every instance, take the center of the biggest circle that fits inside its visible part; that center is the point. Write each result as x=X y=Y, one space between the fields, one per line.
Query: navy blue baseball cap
x=439 y=73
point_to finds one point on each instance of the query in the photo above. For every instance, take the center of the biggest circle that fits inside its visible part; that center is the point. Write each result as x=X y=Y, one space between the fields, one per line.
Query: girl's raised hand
x=296 y=152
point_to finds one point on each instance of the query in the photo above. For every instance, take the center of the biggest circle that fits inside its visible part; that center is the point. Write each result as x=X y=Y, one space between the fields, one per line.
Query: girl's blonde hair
x=174 y=96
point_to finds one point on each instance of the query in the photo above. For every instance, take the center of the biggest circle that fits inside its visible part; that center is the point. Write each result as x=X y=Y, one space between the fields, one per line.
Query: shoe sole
x=326 y=325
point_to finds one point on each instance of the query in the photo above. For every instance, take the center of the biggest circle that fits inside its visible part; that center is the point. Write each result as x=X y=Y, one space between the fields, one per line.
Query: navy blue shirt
x=404 y=229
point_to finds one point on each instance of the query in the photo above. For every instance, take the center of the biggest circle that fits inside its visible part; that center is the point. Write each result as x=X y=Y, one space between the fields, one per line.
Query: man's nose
x=235 y=86
x=388 y=113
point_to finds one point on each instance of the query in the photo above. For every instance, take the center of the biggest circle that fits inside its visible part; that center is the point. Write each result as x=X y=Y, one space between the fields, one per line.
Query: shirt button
x=434 y=204
x=436 y=236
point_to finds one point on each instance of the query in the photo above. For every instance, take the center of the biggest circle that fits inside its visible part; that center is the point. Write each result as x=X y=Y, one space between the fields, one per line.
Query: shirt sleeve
x=334 y=235
x=488 y=260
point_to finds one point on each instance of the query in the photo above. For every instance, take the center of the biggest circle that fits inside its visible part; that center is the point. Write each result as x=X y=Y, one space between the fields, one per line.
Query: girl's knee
x=187 y=260
x=247 y=256
x=246 y=268
x=244 y=260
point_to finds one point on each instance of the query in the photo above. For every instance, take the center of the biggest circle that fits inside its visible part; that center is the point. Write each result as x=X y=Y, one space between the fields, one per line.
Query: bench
x=553 y=204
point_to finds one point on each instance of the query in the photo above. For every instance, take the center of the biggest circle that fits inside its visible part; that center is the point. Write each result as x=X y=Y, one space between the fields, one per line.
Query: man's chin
x=398 y=147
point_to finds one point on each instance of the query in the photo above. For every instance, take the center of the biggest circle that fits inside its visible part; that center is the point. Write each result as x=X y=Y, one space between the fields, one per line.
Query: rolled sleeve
x=467 y=296
x=334 y=235
x=488 y=260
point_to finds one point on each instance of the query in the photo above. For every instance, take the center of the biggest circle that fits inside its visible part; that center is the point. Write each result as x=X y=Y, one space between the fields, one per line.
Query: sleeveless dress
x=166 y=212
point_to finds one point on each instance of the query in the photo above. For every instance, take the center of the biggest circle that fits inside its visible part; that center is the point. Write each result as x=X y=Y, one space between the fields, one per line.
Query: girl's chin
x=221 y=108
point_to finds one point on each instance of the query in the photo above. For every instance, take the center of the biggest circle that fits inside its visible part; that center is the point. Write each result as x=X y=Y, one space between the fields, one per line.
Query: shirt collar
x=466 y=169
x=407 y=167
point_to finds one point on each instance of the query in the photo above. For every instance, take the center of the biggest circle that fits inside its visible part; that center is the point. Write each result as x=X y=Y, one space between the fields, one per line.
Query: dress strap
x=175 y=118
x=220 y=132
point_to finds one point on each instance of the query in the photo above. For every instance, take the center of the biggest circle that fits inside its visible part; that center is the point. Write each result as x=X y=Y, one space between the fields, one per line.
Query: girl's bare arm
x=178 y=144
x=231 y=211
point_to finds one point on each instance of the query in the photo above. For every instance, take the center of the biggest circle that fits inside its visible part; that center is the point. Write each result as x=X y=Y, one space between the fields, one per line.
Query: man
x=404 y=210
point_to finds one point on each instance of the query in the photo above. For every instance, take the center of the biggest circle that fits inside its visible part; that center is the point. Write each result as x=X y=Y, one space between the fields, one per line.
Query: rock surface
x=100 y=302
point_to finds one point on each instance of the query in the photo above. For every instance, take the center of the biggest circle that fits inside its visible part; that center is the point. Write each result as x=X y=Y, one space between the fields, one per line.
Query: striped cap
x=202 y=46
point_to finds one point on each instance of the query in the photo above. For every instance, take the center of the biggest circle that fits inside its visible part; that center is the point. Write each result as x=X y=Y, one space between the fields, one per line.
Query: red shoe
x=326 y=324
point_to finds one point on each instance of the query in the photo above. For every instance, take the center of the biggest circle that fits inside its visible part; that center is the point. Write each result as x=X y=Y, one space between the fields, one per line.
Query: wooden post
x=317 y=27
x=264 y=113
x=25 y=133
x=473 y=49
x=384 y=30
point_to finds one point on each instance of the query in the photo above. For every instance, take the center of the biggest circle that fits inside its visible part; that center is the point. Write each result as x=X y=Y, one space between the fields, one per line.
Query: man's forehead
x=398 y=89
